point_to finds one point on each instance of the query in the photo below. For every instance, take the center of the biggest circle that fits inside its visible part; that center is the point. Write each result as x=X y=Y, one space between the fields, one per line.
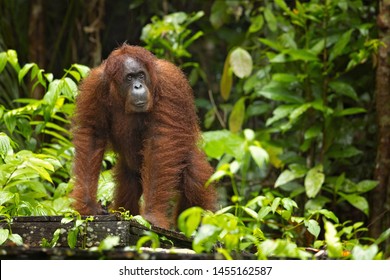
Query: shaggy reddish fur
x=157 y=150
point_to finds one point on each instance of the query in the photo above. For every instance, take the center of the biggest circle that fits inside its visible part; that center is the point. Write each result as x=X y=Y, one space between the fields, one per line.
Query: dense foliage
x=289 y=125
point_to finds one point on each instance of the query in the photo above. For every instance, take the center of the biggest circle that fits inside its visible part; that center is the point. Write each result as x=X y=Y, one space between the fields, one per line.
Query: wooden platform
x=173 y=245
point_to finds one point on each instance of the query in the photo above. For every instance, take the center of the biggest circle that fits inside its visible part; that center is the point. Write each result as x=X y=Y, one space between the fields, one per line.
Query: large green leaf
x=217 y=143
x=357 y=201
x=83 y=70
x=226 y=80
x=3 y=235
x=295 y=171
x=334 y=246
x=5 y=196
x=314 y=180
x=237 y=116
x=285 y=177
x=241 y=62
x=364 y=252
x=366 y=185
x=313 y=227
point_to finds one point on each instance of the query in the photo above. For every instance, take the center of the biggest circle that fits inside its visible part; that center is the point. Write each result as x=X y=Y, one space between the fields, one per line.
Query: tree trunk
x=95 y=17
x=380 y=196
x=36 y=39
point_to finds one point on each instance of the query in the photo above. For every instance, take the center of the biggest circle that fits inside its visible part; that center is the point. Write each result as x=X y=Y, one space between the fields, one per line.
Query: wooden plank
x=34 y=229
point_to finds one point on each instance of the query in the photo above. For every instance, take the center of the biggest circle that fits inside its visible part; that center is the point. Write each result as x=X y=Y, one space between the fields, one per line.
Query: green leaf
x=314 y=180
x=345 y=89
x=189 y=220
x=272 y=44
x=289 y=204
x=256 y=24
x=357 y=201
x=3 y=61
x=83 y=70
x=69 y=88
x=364 y=252
x=249 y=134
x=137 y=218
x=217 y=143
x=237 y=116
x=16 y=238
x=49 y=77
x=366 y=185
x=280 y=112
x=313 y=131
x=299 y=111
x=41 y=163
x=275 y=204
x=259 y=155
x=304 y=55
x=52 y=94
x=217 y=175
x=56 y=236
x=340 y=46
x=149 y=236
x=250 y=212
x=282 y=5
x=219 y=14
x=334 y=246
x=3 y=235
x=270 y=19
x=313 y=227
x=13 y=59
x=67 y=220
x=316 y=203
x=226 y=79
x=72 y=238
x=278 y=92
x=25 y=70
x=350 y=111
x=383 y=237
x=285 y=177
x=5 y=196
x=205 y=239
x=5 y=145
x=318 y=47
x=109 y=243
x=264 y=211
x=285 y=78
x=327 y=214
x=241 y=62
x=343 y=152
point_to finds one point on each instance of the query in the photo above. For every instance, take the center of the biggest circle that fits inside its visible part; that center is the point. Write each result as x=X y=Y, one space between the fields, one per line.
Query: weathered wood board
x=34 y=229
